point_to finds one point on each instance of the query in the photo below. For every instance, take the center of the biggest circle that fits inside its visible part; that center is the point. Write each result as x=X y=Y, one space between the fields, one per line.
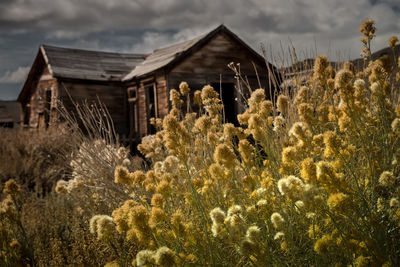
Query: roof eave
x=38 y=64
x=200 y=43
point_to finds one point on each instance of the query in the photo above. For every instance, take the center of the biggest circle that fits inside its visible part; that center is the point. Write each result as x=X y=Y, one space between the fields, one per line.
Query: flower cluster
x=309 y=180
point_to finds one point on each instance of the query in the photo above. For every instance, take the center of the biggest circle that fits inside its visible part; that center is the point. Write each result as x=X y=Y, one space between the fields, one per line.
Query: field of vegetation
x=310 y=178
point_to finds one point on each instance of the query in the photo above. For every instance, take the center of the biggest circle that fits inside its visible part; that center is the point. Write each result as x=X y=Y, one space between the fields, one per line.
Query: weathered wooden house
x=201 y=61
x=136 y=87
x=60 y=73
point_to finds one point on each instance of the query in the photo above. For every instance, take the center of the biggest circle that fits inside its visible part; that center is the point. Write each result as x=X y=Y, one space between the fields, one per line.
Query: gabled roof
x=162 y=57
x=80 y=64
x=166 y=56
x=89 y=65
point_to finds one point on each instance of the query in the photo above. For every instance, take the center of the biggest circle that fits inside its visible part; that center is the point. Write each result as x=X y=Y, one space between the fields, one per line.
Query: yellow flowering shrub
x=312 y=179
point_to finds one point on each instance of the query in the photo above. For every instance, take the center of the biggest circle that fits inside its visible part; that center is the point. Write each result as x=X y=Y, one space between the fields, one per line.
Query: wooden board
x=216 y=55
x=112 y=95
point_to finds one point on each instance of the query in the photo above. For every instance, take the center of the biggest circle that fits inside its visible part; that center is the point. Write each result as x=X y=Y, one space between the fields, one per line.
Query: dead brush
x=83 y=152
x=35 y=159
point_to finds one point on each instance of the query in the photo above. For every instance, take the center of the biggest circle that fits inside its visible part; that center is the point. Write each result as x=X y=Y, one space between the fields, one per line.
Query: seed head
x=164 y=257
x=224 y=156
x=184 y=88
x=277 y=220
x=253 y=233
x=11 y=187
x=282 y=104
x=144 y=257
x=217 y=216
x=387 y=179
x=367 y=28
x=393 y=41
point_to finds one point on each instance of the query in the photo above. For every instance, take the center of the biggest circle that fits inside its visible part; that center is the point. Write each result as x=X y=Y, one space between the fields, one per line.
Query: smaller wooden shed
x=10 y=114
x=200 y=61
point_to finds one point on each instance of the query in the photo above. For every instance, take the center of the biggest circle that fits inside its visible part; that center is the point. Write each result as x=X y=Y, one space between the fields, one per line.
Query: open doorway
x=152 y=111
x=228 y=95
x=47 y=103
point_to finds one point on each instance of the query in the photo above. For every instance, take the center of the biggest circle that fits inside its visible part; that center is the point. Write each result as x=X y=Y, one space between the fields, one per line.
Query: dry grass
x=53 y=229
x=35 y=159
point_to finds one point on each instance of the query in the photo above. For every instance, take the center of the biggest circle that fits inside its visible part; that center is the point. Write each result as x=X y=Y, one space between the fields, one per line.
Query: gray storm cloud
x=144 y=25
x=17 y=76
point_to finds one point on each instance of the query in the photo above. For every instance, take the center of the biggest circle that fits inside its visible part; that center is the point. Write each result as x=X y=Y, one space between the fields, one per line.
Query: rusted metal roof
x=89 y=65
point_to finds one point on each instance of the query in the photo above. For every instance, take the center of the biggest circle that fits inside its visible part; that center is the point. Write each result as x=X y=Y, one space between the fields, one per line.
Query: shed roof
x=162 y=57
x=89 y=65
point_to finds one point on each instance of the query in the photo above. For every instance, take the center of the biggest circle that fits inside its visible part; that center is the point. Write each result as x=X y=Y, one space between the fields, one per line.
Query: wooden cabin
x=135 y=87
x=201 y=61
x=63 y=73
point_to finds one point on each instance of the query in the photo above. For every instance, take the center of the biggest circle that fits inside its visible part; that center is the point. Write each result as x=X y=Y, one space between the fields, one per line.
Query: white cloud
x=17 y=76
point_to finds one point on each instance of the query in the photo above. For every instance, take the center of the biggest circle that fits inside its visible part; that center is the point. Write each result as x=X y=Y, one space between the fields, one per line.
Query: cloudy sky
x=137 y=26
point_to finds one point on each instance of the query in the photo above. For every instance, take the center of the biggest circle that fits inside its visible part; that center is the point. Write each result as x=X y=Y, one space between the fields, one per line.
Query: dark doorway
x=27 y=114
x=151 y=107
x=227 y=94
x=7 y=124
x=47 y=107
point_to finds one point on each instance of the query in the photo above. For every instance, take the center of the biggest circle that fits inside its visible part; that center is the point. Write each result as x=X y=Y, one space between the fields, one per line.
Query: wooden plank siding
x=112 y=95
x=209 y=65
x=206 y=65
x=162 y=95
x=142 y=111
x=39 y=105
x=158 y=83
x=212 y=60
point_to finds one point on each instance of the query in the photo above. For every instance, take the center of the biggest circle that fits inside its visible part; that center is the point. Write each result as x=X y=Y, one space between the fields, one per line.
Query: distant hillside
x=305 y=66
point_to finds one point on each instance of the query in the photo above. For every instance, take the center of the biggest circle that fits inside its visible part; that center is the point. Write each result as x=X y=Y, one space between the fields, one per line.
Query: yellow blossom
x=282 y=104
x=308 y=170
x=367 y=28
x=145 y=257
x=184 y=88
x=122 y=175
x=11 y=187
x=387 y=178
x=253 y=233
x=324 y=244
x=338 y=202
x=224 y=156
x=277 y=220
x=393 y=41
x=217 y=216
x=164 y=257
